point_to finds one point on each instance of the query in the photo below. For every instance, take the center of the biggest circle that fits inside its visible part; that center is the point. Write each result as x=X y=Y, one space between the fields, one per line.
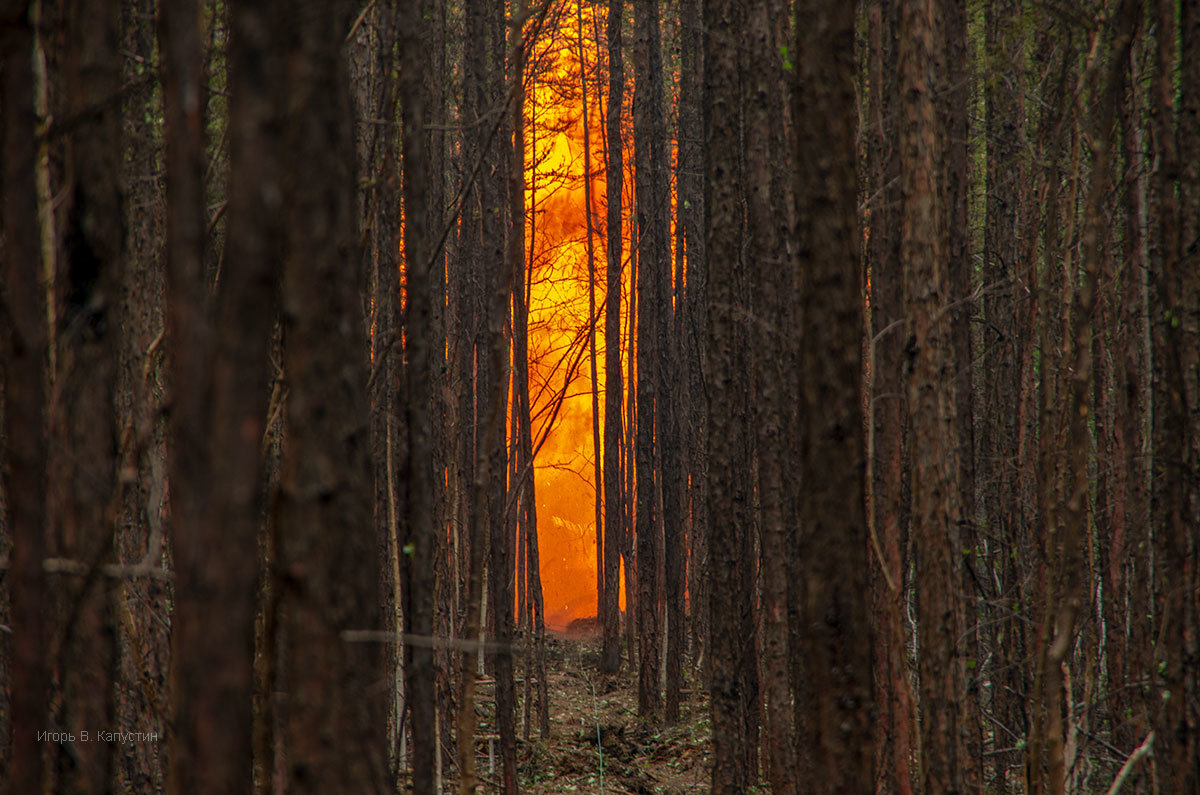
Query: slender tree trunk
x=85 y=495
x=220 y=381
x=422 y=342
x=894 y=694
x=25 y=381
x=334 y=729
x=593 y=320
x=727 y=486
x=143 y=607
x=768 y=232
x=1174 y=286
x=690 y=218
x=651 y=206
x=832 y=539
x=954 y=99
x=931 y=410
x=610 y=661
x=998 y=492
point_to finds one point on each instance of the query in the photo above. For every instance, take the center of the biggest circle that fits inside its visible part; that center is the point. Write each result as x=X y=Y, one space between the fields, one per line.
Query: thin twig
x=1138 y=753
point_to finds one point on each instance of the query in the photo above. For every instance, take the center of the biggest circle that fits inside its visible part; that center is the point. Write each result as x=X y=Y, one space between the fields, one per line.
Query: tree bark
x=25 y=380
x=614 y=385
x=334 y=728
x=419 y=536
x=832 y=539
x=651 y=207
x=220 y=382
x=931 y=410
x=775 y=273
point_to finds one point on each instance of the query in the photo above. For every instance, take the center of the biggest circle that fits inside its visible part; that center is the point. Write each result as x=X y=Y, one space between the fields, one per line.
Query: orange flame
x=558 y=308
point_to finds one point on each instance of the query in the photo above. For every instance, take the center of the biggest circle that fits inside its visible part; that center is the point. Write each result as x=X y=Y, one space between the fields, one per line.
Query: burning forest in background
x=620 y=395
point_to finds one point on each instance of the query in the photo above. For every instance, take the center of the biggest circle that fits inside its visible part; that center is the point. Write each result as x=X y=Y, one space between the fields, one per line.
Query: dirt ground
x=597 y=744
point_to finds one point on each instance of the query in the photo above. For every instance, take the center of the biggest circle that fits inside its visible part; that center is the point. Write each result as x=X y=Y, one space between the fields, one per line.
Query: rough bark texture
x=143 y=606
x=732 y=647
x=651 y=207
x=954 y=99
x=220 y=394
x=613 y=493
x=689 y=208
x=419 y=532
x=894 y=692
x=25 y=380
x=935 y=510
x=832 y=539
x=1175 y=293
x=334 y=727
x=774 y=273
x=84 y=491
x=998 y=495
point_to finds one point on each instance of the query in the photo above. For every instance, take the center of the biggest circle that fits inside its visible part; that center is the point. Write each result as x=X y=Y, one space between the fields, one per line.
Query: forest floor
x=597 y=743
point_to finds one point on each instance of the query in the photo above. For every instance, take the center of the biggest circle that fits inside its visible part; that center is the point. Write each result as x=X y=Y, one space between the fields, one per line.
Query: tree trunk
x=894 y=694
x=220 y=382
x=610 y=661
x=931 y=410
x=832 y=539
x=728 y=441
x=419 y=537
x=25 y=379
x=651 y=207
x=334 y=729
x=775 y=272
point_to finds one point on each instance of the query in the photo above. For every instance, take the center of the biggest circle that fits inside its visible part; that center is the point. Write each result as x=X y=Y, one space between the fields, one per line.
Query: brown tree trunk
x=220 y=382
x=1175 y=723
x=935 y=501
x=651 y=207
x=1128 y=548
x=143 y=605
x=832 y=539
x=1074 y=585
x=728 y=440
x=334 y=728
x=774 y=271
x=613 y=493
x=954 y=95
x=689 y=207
x=85 y=495
x=894 y=694
x=419 y=536
x=998 y=496
x=25 y=380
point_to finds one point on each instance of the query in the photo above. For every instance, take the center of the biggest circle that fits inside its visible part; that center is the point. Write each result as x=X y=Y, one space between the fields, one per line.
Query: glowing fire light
x=558 y=310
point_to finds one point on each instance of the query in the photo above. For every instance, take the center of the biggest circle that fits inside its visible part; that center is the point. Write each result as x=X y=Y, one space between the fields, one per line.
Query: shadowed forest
x=630 y=396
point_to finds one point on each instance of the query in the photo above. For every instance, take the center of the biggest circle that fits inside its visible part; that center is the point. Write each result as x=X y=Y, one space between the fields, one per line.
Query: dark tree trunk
x=954 y=100
x=144 y=607
x=419 y=535
x=84 y=490
x=998 y=493
x=653 y=420
x=1174 y=285
x=732 y=648
x=832 y=539
x=775 y=274
x=25 y=380
x=614 y=497
x=656 y=245
x=894 y=694
x=334 y=728
x=931 y=409
x=220 y=382
x=689 y=205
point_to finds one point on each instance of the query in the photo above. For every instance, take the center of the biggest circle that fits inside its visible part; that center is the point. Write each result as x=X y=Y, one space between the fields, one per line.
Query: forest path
x=637 y=757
